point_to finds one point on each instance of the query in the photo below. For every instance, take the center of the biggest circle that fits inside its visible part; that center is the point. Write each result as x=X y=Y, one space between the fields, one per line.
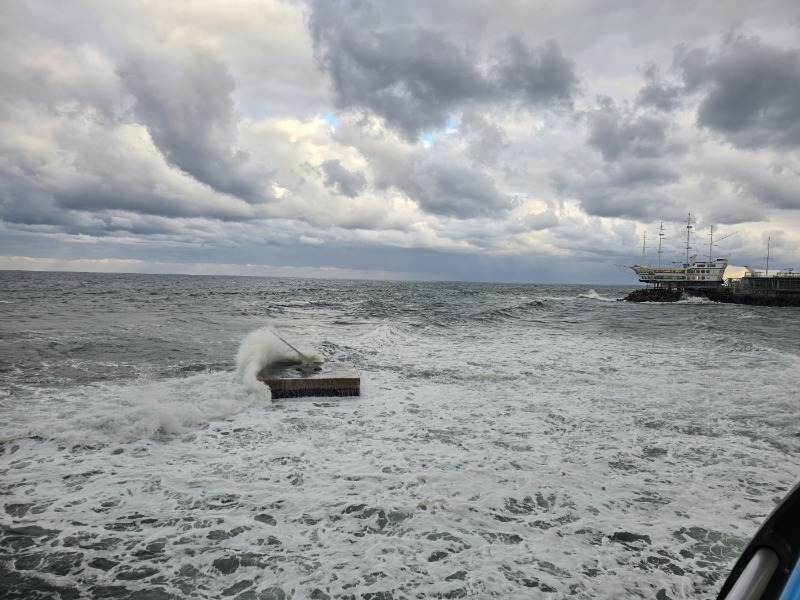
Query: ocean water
x=510 y=441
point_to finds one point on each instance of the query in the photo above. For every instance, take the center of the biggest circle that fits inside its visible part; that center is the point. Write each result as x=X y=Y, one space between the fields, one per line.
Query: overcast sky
x=446 y=139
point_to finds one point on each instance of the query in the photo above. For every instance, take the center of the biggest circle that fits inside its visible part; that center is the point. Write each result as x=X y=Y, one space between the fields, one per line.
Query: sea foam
x=127 y=410
x=593 y=295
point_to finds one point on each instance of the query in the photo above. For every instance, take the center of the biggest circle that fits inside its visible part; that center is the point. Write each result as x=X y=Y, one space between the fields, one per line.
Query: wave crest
x=260 y=348
x=593 y=295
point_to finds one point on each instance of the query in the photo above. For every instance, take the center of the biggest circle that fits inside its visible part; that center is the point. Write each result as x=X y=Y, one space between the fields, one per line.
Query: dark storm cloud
x=342 y=180
x=458 y=191
x=452 y=190
x=102 y=211
x=657 y=93
x=628 y=190
x=617 y=134
x=410 y=76
x=32 y=210
x=622 y=203
x=44 y=187
x=627 y=184
x=538 y=76
x=23 y=204
x=415 y=77
x=775 y=191
x=146 y=202
x=188 y=110
x=634 y=173
x=751 y=91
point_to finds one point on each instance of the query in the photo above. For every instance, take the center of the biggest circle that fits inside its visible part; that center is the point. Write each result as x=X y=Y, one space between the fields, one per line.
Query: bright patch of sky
x=453 y=121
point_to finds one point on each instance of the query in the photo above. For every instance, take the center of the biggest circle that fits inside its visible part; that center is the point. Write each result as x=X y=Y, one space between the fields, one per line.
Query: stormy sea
x=510 y=441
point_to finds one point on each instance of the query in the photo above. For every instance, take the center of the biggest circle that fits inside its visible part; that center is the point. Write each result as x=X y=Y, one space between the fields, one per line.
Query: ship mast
x=711 y=244
x=660 y=239
x=766 y=273
x=688 y=236
x=644 y=245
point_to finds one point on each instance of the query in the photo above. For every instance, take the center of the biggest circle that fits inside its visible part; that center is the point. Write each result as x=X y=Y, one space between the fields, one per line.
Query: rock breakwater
x=654 y=295
x=727 y=296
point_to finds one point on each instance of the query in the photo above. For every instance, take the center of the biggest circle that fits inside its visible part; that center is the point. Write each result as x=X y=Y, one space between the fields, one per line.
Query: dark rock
x=727 y=296
x=654 y=295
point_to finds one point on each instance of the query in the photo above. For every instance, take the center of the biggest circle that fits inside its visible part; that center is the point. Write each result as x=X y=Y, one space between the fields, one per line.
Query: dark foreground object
x=296 y=381
x=768 y=567
x=654 y=295
x=758 y=299
x=717 y=295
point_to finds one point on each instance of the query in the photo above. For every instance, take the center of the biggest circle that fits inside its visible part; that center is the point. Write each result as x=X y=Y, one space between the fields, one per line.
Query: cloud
x=486 y=139
x=778 y=187
x=54 y=166
x=188 y=109
x=414 y=77
x=617 y=134
x=345 y=182
x=410 y=76
x=453 y=190
x=439 y=181
x=538 y=76
x=216 y=132
x=658 y=94
x=637 y=166
x=618 y=194
x=749 y=91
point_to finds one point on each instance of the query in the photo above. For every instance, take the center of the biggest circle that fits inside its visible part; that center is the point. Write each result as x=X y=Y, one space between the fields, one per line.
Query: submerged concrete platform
x=293 y=380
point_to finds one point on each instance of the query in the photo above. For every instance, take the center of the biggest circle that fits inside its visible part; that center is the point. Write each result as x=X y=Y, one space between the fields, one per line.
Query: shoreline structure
x=706 y=279
x=734 y=293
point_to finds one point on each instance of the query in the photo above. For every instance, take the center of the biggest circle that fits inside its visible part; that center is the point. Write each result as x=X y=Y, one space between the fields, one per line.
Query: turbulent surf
x=510 y=441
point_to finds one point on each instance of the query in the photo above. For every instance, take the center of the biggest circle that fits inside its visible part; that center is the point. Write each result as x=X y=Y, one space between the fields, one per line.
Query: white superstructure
x=687 y=274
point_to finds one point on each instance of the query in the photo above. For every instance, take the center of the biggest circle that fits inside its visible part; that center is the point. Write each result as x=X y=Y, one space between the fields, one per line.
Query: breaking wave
x=593 y=295
x=125 y=410
x=259 y=349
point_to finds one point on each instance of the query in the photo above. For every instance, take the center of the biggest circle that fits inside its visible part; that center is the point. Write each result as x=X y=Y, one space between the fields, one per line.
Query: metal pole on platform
x=305 y=360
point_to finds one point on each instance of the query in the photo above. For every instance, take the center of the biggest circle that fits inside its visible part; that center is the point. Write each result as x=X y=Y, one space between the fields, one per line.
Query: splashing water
x=593 y=295
x=125 y=410
x=260 y=348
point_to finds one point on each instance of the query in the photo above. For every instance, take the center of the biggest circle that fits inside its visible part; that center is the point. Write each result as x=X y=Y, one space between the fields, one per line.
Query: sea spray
x=593 y=295
x=119 y=411
x=259 y=349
